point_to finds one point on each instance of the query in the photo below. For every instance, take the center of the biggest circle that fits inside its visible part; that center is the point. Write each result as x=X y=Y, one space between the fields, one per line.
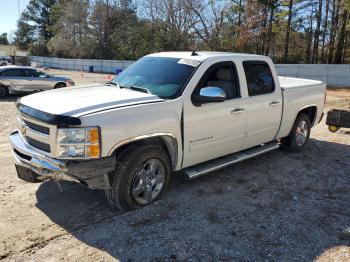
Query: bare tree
x=71 y=30
x=335 y=20
x=317 y=33
x=286 y=43
x=210 y=20
x=338 y=56
x=172 y=22
x=325 y=30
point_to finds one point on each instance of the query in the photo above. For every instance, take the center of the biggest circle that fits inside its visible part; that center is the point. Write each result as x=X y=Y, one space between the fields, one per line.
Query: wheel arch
x=310 y=111
x=60 y=82
x=167 y=140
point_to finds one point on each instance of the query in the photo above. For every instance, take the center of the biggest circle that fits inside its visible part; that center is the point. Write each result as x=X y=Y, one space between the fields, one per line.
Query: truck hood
x=77 y=101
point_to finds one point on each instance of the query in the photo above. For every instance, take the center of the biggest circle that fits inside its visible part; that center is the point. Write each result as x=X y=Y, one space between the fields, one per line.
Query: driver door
x=38 y=81
x=212 y=130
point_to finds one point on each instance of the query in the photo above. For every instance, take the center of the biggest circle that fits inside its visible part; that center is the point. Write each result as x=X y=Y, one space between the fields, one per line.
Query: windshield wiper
x=138 y=88
x=113 y=83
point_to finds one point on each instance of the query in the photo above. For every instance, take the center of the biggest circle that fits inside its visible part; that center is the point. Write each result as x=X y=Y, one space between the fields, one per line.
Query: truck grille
x=36 y=127
x=36 y=133
x=38 y=144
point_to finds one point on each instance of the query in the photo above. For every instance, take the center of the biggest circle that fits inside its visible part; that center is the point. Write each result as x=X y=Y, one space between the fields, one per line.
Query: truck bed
x=297 y=94
x=287 y=83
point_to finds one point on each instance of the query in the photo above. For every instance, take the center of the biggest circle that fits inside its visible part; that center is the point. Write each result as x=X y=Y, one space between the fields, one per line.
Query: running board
x=212 y=165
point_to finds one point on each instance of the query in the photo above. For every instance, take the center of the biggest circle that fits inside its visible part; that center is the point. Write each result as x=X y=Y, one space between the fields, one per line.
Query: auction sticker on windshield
x=189 y=62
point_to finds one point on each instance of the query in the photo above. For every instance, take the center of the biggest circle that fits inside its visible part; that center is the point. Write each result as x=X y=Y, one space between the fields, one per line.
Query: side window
x=40 y=74
x=259 y=78
x=223 y=75
x=31 y=73
x=14 y=73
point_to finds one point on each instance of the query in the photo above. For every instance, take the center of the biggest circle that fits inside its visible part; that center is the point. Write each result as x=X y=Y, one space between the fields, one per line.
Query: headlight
x=81 y=142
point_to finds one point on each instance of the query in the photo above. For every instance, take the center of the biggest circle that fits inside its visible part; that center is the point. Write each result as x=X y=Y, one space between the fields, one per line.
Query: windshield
x=161 y=76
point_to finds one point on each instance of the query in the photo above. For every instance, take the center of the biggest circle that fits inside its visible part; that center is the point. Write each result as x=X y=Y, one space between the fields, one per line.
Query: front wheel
x=299 y=135
x=140 y=178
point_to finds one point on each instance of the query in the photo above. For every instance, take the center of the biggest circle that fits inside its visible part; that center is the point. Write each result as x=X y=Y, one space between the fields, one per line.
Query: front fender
x=121 y=126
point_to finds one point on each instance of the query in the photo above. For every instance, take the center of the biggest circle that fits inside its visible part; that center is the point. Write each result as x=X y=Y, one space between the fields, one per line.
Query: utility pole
x=19 y=10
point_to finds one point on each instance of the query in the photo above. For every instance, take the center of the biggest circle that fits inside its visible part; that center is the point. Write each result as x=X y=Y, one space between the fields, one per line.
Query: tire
x=4 y=92
x=299 y=135
x=60 y=85
x=133 y=183
x=333 y=129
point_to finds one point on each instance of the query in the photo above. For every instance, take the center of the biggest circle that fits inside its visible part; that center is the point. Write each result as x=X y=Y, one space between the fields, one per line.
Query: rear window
x=259 y=78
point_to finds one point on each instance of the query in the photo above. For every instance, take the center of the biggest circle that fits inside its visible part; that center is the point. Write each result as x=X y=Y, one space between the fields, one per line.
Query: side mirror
x=209 y=95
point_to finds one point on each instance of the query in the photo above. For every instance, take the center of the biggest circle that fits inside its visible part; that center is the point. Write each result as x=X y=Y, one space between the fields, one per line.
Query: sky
x=9 y=14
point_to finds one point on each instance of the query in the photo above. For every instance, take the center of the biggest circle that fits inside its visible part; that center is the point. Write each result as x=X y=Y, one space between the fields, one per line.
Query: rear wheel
x=140 y=178
x=3 y=91
x=299 y=135
x=60 y=85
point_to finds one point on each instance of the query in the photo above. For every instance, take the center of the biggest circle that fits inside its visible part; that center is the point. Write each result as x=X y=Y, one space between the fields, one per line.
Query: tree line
x=3 y=39
x=290 y=31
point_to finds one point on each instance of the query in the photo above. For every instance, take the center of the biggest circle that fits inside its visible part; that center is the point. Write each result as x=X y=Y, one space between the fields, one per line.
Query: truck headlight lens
x=83 y=142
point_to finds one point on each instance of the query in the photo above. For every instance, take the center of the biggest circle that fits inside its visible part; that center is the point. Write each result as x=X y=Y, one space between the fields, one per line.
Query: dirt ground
x=276 y=207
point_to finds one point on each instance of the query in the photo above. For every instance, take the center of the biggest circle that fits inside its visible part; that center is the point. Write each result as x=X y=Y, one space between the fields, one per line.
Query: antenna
x=194 y=53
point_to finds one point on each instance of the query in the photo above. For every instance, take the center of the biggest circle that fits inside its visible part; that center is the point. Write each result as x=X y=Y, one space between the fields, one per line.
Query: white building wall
x=333 y=75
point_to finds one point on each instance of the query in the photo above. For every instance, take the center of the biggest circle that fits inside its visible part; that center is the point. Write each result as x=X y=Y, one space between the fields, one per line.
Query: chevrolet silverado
x=189 y=111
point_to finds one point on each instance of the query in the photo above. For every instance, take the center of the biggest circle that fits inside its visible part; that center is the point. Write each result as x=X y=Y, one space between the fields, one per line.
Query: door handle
x=237 y=110
x=274 y=103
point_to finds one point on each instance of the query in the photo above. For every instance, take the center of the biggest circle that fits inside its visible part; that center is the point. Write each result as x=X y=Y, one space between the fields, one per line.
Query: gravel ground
x=276 y=207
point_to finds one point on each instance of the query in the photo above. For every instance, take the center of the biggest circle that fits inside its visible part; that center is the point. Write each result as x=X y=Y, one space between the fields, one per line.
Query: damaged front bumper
x=33 y=166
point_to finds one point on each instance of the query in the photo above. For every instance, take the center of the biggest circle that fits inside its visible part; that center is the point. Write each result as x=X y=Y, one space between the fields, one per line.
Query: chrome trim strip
x=33 y=120
x=36 y=135
x=39 y=162
x=49 y=168
x=32 y=147
x=44 y=138
x=137 y=138
x=305 y=107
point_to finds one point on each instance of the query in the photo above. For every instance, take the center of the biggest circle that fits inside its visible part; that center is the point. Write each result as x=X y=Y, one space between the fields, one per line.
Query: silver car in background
x=16 y=79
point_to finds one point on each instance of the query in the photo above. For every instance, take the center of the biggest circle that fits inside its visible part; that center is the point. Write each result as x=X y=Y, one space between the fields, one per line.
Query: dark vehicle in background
x=4 y=61
x=337 y=119
x=16 y=79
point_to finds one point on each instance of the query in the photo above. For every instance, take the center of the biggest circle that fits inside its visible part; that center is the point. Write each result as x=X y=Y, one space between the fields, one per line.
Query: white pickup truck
x=171 y=111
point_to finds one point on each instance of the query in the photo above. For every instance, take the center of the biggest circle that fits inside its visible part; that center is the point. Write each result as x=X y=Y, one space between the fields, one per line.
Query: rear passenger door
x=264 y=104
x=16 y=78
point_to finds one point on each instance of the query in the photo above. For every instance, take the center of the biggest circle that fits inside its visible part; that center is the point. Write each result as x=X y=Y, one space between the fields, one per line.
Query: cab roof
x=203 y=55
x=16 y=67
